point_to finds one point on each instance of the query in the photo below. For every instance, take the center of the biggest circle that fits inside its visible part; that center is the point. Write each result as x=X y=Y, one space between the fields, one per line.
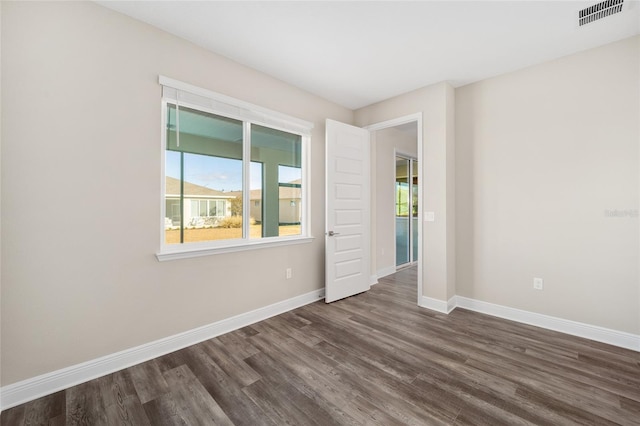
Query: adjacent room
x=265 y=213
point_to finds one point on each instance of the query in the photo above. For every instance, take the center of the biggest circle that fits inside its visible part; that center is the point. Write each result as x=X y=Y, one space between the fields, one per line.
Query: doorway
x=406 y=210
x=401 y=137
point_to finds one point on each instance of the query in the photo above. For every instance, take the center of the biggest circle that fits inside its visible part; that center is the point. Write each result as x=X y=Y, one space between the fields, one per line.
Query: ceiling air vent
x=599 y=11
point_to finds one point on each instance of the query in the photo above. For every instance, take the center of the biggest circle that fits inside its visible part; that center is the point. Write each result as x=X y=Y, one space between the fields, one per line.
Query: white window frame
x=186 y=95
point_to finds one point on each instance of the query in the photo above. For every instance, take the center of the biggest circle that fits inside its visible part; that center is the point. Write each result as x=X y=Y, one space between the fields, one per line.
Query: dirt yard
x=172 y=236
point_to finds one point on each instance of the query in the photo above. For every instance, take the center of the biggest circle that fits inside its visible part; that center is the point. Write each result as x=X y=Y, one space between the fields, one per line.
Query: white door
x=347 y=233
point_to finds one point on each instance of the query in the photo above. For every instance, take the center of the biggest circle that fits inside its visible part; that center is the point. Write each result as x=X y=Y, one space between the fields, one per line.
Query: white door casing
x=347 y=230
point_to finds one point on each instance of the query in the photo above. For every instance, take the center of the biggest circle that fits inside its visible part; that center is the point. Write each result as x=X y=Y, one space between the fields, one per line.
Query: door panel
x=347 y=237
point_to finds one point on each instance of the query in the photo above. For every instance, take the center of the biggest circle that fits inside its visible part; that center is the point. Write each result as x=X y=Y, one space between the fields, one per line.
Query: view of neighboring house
x=206 y=207
x=202 y=206
x=289 y=205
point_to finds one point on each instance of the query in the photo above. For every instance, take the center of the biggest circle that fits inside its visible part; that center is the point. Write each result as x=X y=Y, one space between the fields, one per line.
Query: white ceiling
x=358 y=53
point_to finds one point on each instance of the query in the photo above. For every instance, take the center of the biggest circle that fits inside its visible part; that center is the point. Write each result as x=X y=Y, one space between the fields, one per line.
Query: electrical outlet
x=288 y=273
x=538 y=284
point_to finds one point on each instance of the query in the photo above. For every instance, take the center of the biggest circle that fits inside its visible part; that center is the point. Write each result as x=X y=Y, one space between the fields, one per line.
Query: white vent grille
x=599 y=11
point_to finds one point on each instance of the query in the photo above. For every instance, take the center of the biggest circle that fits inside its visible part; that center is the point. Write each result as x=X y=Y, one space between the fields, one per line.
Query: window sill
x=189 y=252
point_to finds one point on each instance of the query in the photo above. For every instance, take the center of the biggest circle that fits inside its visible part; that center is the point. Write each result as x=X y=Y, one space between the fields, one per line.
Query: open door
x=347 y=233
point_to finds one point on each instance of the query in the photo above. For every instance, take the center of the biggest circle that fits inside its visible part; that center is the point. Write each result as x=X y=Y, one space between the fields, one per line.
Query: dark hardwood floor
x=375 y=358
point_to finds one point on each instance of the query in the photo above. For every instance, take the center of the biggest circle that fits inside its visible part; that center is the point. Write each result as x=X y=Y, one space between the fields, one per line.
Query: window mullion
x=246 y=182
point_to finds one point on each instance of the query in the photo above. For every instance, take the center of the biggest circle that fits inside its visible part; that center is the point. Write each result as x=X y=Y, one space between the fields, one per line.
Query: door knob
x=331 y=233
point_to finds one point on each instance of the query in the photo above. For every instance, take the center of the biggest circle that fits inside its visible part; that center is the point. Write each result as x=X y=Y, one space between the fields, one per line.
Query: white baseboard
x=437 y=304
x=592 y=332
x=451 y=304
x=386 y=271
x=373 y=279
x=30 y=389
x=574 y=328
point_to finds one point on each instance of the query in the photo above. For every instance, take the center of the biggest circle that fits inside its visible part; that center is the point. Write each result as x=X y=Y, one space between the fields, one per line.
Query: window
x=234 y=174
x=209 y=208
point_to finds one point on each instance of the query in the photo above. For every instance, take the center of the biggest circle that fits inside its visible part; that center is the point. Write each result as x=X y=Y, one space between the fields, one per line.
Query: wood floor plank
x=630 y=406
x=148 y=381
x=377 y=349
x=388 y=383
x=238 y=345
x=312 y=364
x=302 y=334
x=128 y=411
x=194 y=404
x=120 y=399
x=294 y=319
x=339 y=397
x=163 y=411
x=13 y=416
x=234 y=366
x=278 y=409
x=60 y=420
x=468 y=394
x=372 y=359
x=85 y=405
x=296 y=390
x=567 y=352
x=391 y=350
x=43 y=410
x=224 y=389
x=568 y=408
x=533 y=384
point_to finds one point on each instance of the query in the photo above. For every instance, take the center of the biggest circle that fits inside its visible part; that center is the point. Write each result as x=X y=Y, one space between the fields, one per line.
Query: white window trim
x=174 y=91
x=203 y=249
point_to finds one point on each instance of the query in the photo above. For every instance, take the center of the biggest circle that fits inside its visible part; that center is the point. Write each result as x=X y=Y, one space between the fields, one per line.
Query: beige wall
x=541 y=154
x=435 y=103
x=387 y=143
x=81 y=128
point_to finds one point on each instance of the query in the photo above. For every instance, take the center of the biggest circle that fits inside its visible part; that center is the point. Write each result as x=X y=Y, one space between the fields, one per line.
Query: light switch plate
x=429 y=216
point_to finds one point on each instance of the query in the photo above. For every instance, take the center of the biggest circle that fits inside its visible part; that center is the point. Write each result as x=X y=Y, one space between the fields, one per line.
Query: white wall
x=387 y=143
x=541 y=155
x=435 y=104
x=80 y=134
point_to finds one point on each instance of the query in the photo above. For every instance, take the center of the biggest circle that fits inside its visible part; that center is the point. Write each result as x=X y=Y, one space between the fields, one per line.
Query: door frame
x=411 y=118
